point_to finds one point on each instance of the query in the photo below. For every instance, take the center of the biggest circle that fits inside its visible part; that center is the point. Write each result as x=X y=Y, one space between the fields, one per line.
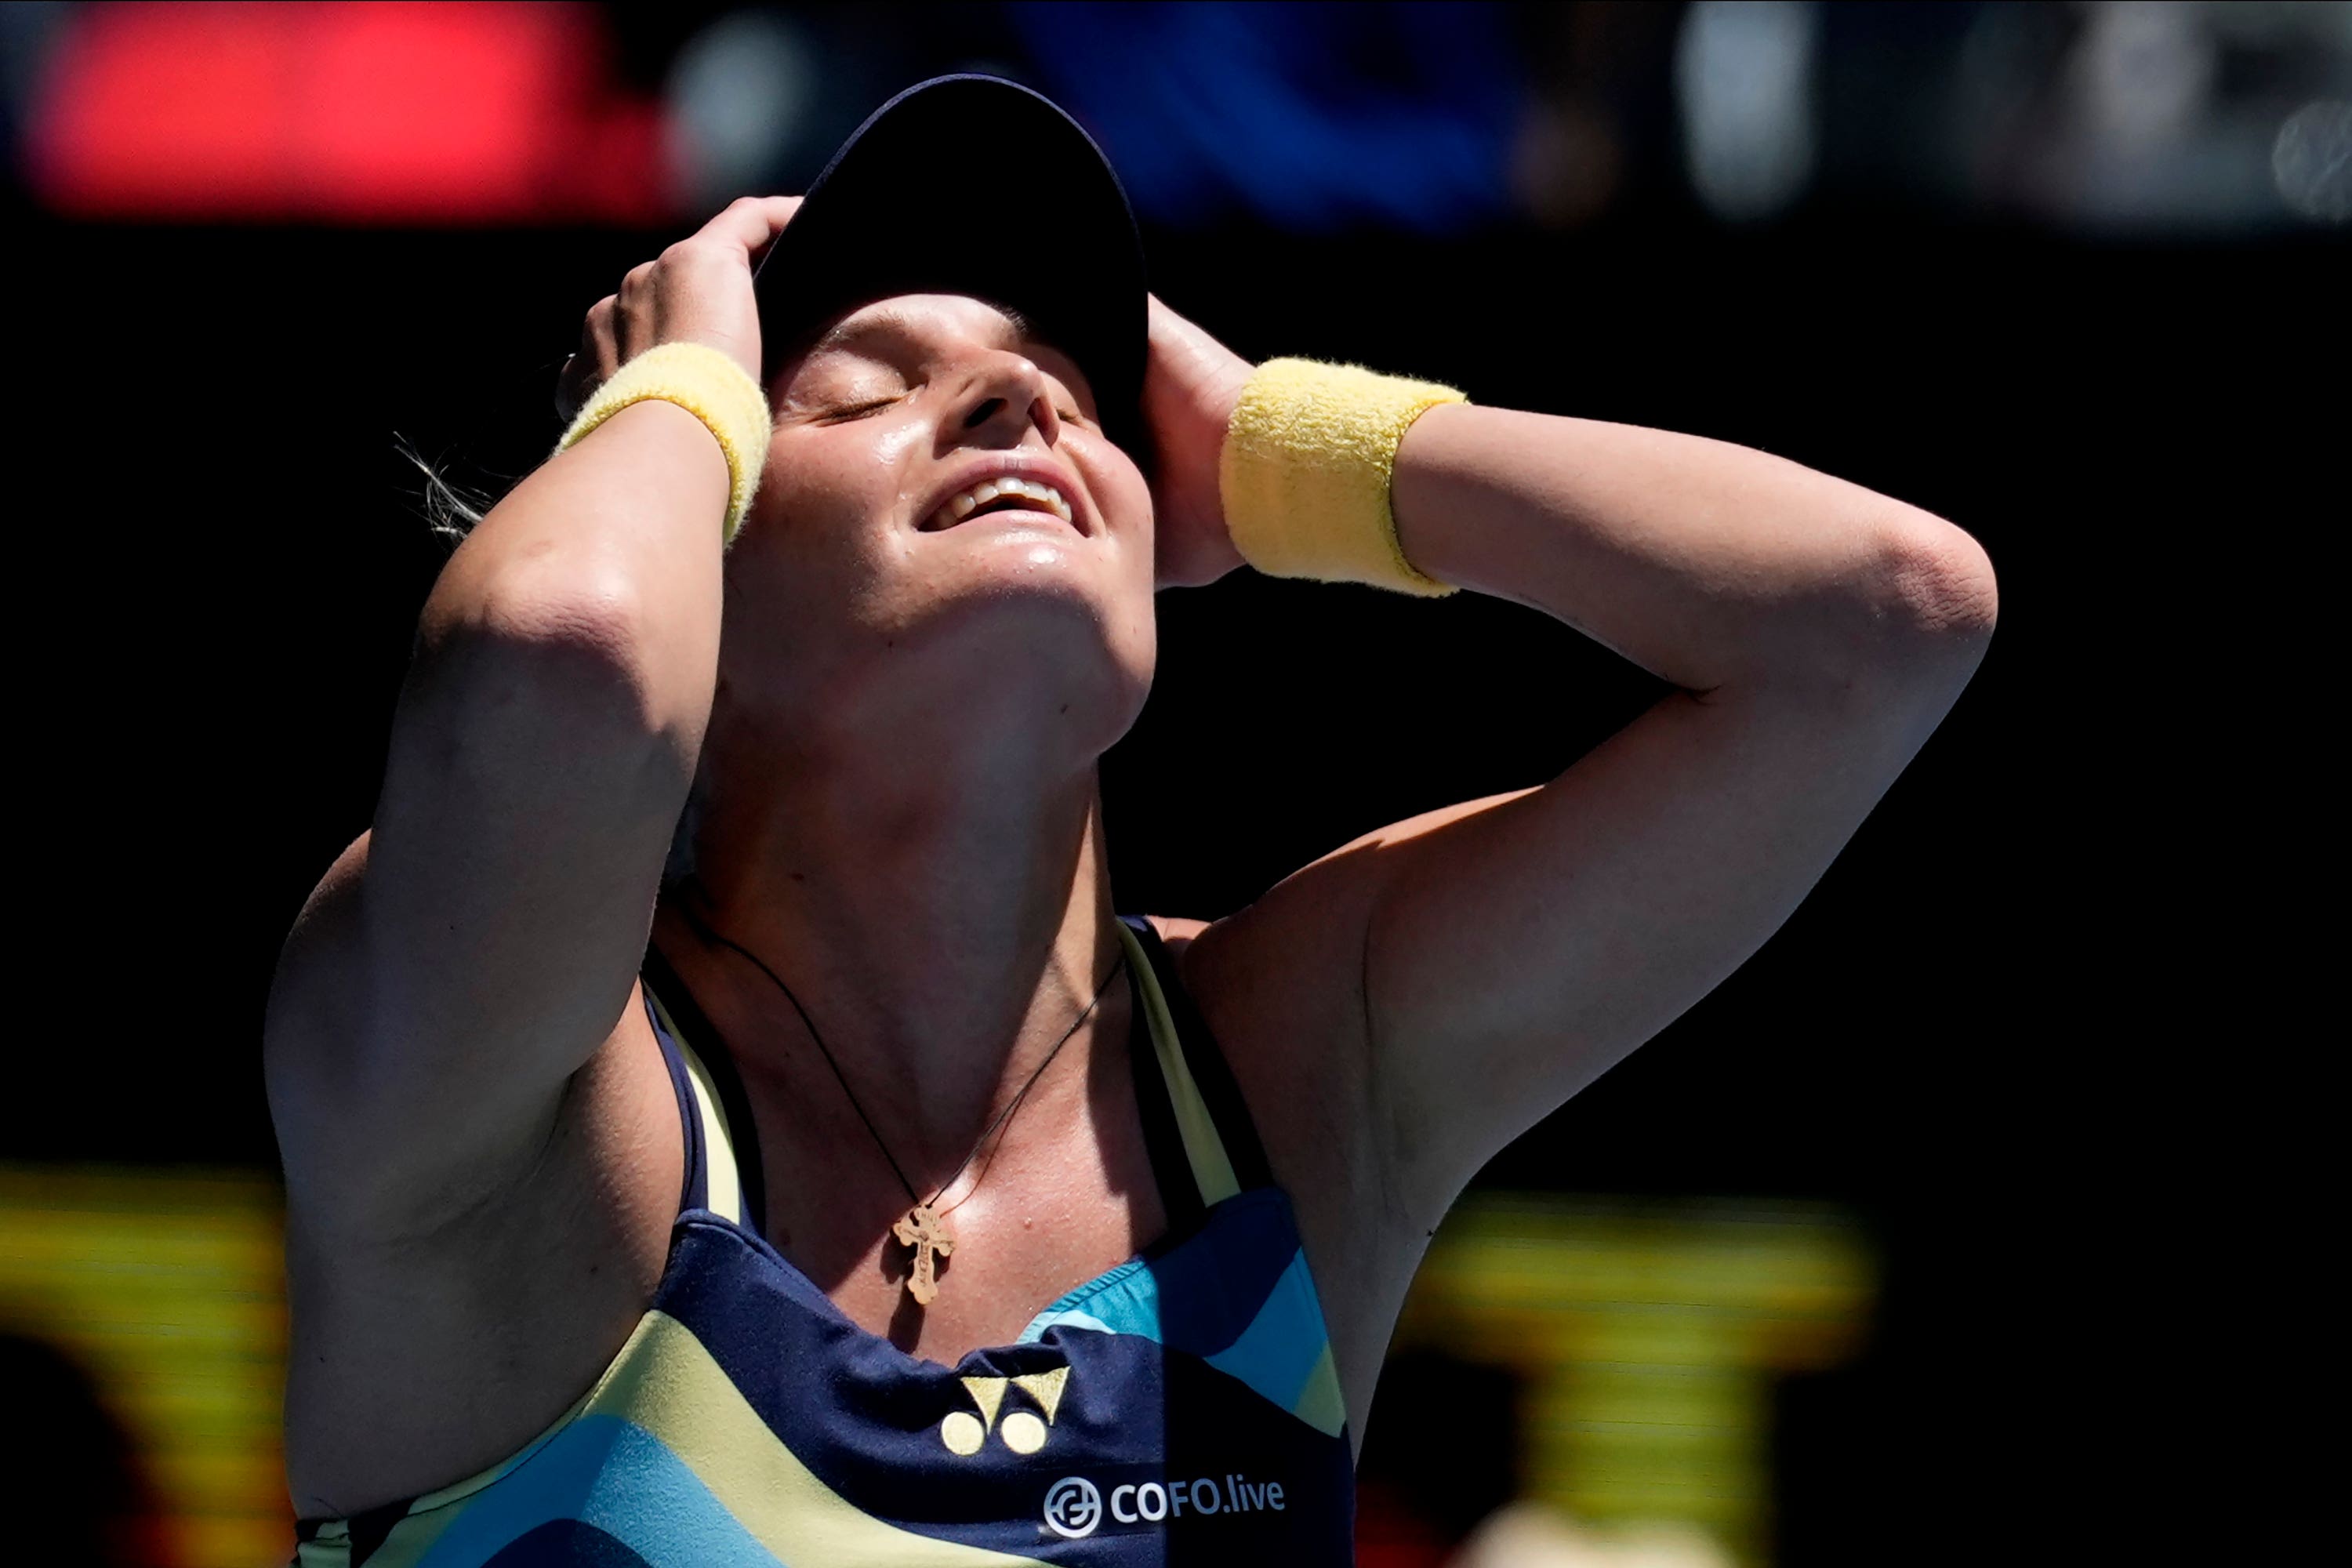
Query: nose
x=1008 y=397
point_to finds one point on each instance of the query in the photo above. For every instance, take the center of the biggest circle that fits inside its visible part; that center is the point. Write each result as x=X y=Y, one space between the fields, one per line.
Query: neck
x=942 y=927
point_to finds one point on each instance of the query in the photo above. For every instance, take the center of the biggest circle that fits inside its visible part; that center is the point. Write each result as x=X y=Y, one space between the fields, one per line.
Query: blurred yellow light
x=169 y=1288
x=1648 y=1335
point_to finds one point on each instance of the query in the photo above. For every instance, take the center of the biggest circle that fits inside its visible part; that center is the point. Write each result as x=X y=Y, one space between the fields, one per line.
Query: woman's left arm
x=1514 y=948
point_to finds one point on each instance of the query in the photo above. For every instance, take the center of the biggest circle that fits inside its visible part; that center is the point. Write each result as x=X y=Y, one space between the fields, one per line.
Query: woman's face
x=878 y=594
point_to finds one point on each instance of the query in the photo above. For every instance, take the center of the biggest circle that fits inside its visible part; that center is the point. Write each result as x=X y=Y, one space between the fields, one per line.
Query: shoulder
x=1271 y=987
x=1283 y=1002
x=1176 y=933
x=1281 y=1014
x=1275 y=1010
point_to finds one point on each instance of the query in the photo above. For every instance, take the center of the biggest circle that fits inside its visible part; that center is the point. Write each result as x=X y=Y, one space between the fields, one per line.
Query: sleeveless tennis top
x=1180 y=1407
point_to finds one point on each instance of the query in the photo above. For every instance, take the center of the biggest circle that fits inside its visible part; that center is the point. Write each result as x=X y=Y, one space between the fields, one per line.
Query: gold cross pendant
x=922 y=1229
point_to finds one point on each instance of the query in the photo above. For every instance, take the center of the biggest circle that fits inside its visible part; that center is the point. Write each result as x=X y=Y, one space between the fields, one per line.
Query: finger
x=749 y=223
x=1167 y=330
x=592 y=365
x=600 y=344
x=636 y=311
x=1160 y=318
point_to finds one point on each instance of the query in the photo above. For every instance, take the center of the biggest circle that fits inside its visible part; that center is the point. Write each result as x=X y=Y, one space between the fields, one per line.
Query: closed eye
x=855 y=410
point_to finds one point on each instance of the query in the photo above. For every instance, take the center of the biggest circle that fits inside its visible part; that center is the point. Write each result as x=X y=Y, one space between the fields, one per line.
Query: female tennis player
x=726 y=1121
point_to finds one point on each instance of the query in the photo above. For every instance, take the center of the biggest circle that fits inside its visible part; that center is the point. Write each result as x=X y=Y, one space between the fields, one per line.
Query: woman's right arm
x=476 y=947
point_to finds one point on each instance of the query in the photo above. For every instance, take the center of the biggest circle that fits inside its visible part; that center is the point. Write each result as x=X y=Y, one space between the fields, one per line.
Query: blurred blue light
x=1744 y=76
x=2312 y=162
x=740 y=93
x=1305 y=115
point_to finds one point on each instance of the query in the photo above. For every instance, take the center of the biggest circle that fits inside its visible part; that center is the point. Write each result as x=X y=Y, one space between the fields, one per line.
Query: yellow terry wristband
x=707 y=384
x=1305 y=468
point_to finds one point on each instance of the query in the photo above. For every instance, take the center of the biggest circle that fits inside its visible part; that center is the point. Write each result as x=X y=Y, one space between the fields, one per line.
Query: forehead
x=926 y=322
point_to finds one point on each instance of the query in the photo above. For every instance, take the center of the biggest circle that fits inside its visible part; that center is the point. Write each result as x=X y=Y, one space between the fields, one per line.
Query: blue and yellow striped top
x=1179 y=1405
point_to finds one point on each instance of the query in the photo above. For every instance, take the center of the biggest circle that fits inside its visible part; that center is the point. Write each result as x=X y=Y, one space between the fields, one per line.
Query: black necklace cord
x=1013 y=1104
x=847 y=1093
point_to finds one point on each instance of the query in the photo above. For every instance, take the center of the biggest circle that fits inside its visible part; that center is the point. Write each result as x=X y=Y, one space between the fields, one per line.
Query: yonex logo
x=1023 y=1431
x=1073 y=1508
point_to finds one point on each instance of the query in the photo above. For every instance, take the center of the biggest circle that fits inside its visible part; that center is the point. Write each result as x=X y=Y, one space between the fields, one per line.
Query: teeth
x=964 y=503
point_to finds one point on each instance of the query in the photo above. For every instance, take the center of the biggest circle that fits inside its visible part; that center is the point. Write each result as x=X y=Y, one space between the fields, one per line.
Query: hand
x=1191 y=384
x=699 y=291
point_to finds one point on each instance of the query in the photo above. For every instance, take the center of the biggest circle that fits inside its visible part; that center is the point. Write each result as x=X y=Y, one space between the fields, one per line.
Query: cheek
x=1146 y=537
x=806 y=549
x=1121 y=490
x=822 y=495
x=892 y=448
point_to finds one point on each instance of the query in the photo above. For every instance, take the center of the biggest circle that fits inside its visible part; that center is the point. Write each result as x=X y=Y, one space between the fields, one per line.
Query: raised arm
x=1475 y=967
x=476 y=948
x=1518 y=947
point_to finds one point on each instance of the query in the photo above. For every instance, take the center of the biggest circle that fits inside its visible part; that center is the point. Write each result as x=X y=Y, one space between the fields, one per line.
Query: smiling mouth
x=1008 y=494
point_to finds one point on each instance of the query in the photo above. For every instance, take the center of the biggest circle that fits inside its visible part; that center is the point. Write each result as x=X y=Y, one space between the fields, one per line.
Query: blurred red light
x=371 y=113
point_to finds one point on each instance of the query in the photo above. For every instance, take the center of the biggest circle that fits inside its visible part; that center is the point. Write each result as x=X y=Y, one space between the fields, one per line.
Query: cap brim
x=971 y=185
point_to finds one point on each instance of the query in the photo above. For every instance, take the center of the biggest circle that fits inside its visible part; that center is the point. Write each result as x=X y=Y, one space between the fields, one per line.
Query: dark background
x=1959 y=1033
x=2009 y=1030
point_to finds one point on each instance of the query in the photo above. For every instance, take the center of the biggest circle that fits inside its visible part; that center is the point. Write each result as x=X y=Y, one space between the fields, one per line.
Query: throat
x=1069 y=1193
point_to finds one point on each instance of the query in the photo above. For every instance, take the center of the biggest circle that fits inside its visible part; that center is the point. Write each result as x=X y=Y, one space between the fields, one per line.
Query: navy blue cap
x=971 y=185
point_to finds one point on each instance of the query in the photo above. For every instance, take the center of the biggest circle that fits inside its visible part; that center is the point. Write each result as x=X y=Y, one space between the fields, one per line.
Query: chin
x=1039 y=628
x=1019 y=535
x=990 y=568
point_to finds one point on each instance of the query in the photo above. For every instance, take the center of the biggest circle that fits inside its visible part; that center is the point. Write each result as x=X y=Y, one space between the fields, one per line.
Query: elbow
x=1927 y=605
x=545 y=604
x=1943 y=587
x=538 y=647
x=1903 y=620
